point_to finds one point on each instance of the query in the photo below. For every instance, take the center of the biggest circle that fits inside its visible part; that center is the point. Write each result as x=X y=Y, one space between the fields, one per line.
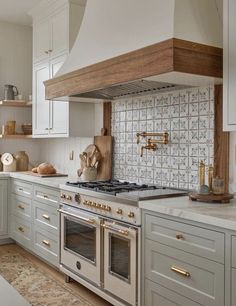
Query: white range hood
x=112 y=28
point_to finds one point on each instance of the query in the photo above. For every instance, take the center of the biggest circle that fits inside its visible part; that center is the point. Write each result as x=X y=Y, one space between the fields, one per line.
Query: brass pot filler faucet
x=151 y=144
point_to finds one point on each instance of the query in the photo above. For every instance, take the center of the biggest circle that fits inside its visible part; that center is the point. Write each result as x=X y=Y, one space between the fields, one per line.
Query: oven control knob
x=77 y=198
x=119 y=211
x=103 y=207
x=98 y=205
x=63 y=196
x=108 y=208
x=85 y=202
x=131 y=214
x=90 y=203
x=69 y=198
x=93 y=204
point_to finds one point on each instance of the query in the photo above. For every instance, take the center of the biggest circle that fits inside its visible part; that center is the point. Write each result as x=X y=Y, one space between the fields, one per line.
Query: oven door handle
x=90 y=221
x=120 y=231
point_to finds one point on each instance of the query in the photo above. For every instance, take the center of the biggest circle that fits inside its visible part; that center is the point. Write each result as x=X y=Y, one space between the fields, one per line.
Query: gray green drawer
x=20 y=231
x=169 y=268
x=22 y=188
x=46 y=245
x=46 y=216
x=156 y=295
x=46 y=195
x=192 y=239
x=21 y=206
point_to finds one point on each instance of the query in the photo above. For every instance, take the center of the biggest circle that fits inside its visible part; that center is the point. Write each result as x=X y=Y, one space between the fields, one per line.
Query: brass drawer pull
x=47 y=243
x=21 y=207
x=179 y=237
x=21 y=189
x=45 y=196
x=181 y=271
x=46 y=217
x=21 y=229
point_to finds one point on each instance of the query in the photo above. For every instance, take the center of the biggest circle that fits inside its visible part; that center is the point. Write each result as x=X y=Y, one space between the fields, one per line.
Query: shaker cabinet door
x=3 y=207
x=40 y=104
x=60 y=33
x=41 y=40
x=59 y=110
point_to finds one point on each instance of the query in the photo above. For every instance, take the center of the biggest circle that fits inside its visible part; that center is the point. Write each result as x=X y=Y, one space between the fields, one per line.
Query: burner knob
x=90 y=203
x=98 y=205
x=69 y=198
x=108 y=208
x=131 y=214
x=103 y=207
x=63 y=196
x=77 y=198
x=119 y=211
x=85 y=202
x=93 y=204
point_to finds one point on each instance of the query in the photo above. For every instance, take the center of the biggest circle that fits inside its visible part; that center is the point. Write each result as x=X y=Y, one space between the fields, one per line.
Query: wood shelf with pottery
x=16 y=103
x=16 y=136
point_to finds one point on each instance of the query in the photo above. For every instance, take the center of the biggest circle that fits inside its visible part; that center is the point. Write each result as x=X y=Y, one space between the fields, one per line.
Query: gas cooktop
x=127 y=190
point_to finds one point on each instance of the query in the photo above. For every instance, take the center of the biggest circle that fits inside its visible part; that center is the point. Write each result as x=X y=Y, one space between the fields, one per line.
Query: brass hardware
x=69 y=198
x=131 y=214
x=47 y=243
x=50 y=50
x=181 y=271
x=45 y=196
x=21 y=207
x=46 y=52
x=46 y=217
x=119 y=211
x=46 y=129
x=179 y=237
x=21 y=229
x=90 y=221
x=108 y=208
x=122 y=232
x=151 y=144
x=63 y=196
x=21 y=189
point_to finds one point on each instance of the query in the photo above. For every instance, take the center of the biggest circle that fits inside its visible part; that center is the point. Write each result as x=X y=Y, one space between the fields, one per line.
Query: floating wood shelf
x=16 y=136
x=16 y=103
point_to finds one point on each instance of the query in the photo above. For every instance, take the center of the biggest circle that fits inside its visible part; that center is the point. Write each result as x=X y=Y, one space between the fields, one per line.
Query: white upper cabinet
x=55 y=27
x=229 y=65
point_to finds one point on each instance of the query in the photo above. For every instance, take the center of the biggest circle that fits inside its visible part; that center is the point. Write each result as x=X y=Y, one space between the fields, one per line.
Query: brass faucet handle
x=138 y=138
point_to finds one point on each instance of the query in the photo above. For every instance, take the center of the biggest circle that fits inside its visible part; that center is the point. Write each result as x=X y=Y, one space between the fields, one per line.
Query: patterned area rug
x=36 y=287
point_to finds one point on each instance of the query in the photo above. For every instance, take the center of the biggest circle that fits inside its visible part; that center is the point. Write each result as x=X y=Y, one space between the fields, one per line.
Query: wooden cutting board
x=104 y=145
x=46 y=175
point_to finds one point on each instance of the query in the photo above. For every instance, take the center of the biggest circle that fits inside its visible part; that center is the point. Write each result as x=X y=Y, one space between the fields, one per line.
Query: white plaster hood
x=111 y=28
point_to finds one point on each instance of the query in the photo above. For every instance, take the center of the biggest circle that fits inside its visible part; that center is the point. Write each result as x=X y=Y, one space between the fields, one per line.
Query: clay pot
x=22 y=161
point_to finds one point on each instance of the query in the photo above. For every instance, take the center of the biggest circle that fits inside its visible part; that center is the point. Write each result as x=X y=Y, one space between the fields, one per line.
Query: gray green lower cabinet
x=3 y=207
x=34 y=219
x=233 y=287
x=183 y=264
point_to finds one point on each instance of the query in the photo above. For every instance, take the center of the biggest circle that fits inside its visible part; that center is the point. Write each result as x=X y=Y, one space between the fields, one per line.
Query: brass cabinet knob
x=119 y=211
x=69 y=198
x=63 y=196
x=131 y=214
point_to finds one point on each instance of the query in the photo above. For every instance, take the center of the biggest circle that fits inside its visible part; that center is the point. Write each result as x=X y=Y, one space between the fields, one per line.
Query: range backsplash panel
x=188 y=117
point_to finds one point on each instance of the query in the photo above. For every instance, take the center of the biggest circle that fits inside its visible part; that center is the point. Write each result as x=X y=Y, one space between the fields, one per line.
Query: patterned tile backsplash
x=188 y=117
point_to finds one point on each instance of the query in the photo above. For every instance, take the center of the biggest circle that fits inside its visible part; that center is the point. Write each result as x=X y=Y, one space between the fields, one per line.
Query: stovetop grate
x=112 y=187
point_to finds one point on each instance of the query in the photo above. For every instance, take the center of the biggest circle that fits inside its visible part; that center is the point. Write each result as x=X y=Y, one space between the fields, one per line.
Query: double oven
x=101 y=251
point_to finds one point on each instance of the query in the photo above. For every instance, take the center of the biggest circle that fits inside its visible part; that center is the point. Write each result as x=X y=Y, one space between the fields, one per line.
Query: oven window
x=120 y=257
x=81 y=239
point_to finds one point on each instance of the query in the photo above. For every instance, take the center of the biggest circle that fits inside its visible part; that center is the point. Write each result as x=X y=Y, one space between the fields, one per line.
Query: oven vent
x=135 y=88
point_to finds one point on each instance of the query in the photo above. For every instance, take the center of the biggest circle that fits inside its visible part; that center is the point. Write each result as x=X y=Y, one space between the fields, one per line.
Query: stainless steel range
x=100 y=236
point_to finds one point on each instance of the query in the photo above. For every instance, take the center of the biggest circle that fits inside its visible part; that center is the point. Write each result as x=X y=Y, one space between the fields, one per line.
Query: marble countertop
x=221 y=215
x=54 y=182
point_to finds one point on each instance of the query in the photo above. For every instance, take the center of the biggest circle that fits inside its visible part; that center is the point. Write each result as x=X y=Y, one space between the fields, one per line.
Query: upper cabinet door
x=40 y=105
x=42 y=40
x=59 y=111
x=60 y=33
x=229 y=65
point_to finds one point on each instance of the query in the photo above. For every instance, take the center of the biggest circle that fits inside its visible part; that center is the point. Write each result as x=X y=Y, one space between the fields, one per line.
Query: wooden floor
x=77 y=288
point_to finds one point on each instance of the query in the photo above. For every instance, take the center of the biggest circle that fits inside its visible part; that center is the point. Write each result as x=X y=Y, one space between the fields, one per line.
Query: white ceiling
x=15 y=11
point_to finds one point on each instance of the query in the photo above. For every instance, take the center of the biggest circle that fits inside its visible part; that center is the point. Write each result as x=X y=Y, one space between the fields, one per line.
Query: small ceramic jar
x=22 y=161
